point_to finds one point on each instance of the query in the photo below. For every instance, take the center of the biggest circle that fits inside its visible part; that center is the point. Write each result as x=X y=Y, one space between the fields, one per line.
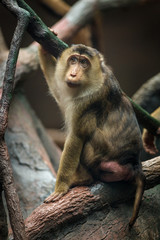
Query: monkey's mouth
x=72 y=84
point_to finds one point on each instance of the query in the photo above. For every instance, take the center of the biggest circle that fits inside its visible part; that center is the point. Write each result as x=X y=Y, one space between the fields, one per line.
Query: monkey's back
x=116 y=138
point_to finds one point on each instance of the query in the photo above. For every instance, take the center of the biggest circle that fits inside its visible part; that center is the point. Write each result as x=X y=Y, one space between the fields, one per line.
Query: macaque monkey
x=103 y=138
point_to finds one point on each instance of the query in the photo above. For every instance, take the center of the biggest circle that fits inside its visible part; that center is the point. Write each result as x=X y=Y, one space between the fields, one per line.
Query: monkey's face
x=78 y=67
x=79 y=70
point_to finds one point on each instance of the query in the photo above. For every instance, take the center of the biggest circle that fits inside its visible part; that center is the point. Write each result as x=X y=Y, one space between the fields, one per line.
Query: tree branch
x=144 y=118
x=40 y=33
x=3 y=218
x=148 y=95
x=82 y=11
x=11 y=196
x=82 y=201
x=151 y=169
x=88 y=199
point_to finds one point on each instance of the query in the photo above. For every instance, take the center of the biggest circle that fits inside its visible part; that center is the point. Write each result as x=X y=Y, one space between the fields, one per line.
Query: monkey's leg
x=81 y=177
x=148 y=138
x=140 y=182
x=68 y=165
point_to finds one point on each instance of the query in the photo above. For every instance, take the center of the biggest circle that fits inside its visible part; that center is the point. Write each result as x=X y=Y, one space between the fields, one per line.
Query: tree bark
x=105 y=208
x=8 y=186
x=53 y=221
x=34 y=174
x=3 y=219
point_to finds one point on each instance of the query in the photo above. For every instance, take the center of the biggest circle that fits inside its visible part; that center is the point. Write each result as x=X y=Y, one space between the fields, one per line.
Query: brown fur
x=102 y=130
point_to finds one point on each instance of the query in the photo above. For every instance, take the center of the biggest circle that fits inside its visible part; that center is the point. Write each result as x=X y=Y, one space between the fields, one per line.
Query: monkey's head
x=80 y=69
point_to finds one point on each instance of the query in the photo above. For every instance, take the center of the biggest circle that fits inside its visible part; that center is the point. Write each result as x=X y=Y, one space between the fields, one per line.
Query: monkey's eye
x=84 y=63
x=73 y=60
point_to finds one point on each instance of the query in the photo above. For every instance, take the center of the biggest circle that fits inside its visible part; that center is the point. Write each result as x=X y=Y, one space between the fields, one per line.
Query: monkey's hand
x=149 y=142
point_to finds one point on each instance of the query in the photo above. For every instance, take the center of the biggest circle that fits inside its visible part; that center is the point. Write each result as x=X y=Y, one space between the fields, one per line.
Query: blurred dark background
x=131 y=47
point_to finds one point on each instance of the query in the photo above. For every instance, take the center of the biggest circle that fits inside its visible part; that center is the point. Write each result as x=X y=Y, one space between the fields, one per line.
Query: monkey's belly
x=112 y=172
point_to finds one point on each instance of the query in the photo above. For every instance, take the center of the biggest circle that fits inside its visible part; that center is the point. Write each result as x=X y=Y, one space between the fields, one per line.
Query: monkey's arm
x=68 y=165
x=149 y=138
x=48 y=64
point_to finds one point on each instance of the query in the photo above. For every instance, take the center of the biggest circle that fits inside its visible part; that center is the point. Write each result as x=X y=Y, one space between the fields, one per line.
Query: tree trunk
x=101 y=211
x=33 y=172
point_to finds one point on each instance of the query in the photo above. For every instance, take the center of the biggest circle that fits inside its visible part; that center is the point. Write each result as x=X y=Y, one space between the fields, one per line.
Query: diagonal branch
x=148 y=95
x=79 y=202
x=145 y=118
x=40 y=32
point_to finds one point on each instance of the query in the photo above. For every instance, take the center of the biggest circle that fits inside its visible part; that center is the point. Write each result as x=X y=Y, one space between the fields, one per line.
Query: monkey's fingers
x=54 y=197
x=149 y=142
x=52 y=30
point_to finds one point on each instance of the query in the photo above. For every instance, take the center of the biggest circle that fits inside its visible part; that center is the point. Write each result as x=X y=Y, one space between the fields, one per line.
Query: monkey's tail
x=140 y=183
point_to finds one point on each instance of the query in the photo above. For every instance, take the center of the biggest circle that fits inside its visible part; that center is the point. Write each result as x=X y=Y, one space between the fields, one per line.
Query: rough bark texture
x=11 y=196
x=32 y=169
x=3 y=220
x=96 y=212
x=151 y=169
x=8 y=185
x=101 y=211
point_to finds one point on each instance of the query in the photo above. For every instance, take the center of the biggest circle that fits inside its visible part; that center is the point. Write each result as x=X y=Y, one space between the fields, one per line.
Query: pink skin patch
x=113 y=172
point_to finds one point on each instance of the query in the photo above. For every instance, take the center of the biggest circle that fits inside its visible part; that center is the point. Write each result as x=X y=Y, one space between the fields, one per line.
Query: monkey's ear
x=47 y=63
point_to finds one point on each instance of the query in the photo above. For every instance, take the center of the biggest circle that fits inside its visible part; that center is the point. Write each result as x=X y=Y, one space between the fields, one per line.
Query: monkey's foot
x=149 y=142
x=54 y=197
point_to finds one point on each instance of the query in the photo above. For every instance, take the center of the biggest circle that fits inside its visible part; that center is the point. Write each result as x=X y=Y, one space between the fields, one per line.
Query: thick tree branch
x=11 y=196
x=34 y=174
x=40 y=32
x=47 y=218
x=3 y=218
x=82 y=201
x=23 y=20
x=144 y=118
x=151 y=169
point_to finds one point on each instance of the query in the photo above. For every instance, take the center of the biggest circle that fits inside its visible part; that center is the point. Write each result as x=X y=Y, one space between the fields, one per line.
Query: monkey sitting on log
x=103 y=137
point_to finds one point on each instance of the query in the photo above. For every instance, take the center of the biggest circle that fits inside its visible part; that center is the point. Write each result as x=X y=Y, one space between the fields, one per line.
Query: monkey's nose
x=73 y=75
